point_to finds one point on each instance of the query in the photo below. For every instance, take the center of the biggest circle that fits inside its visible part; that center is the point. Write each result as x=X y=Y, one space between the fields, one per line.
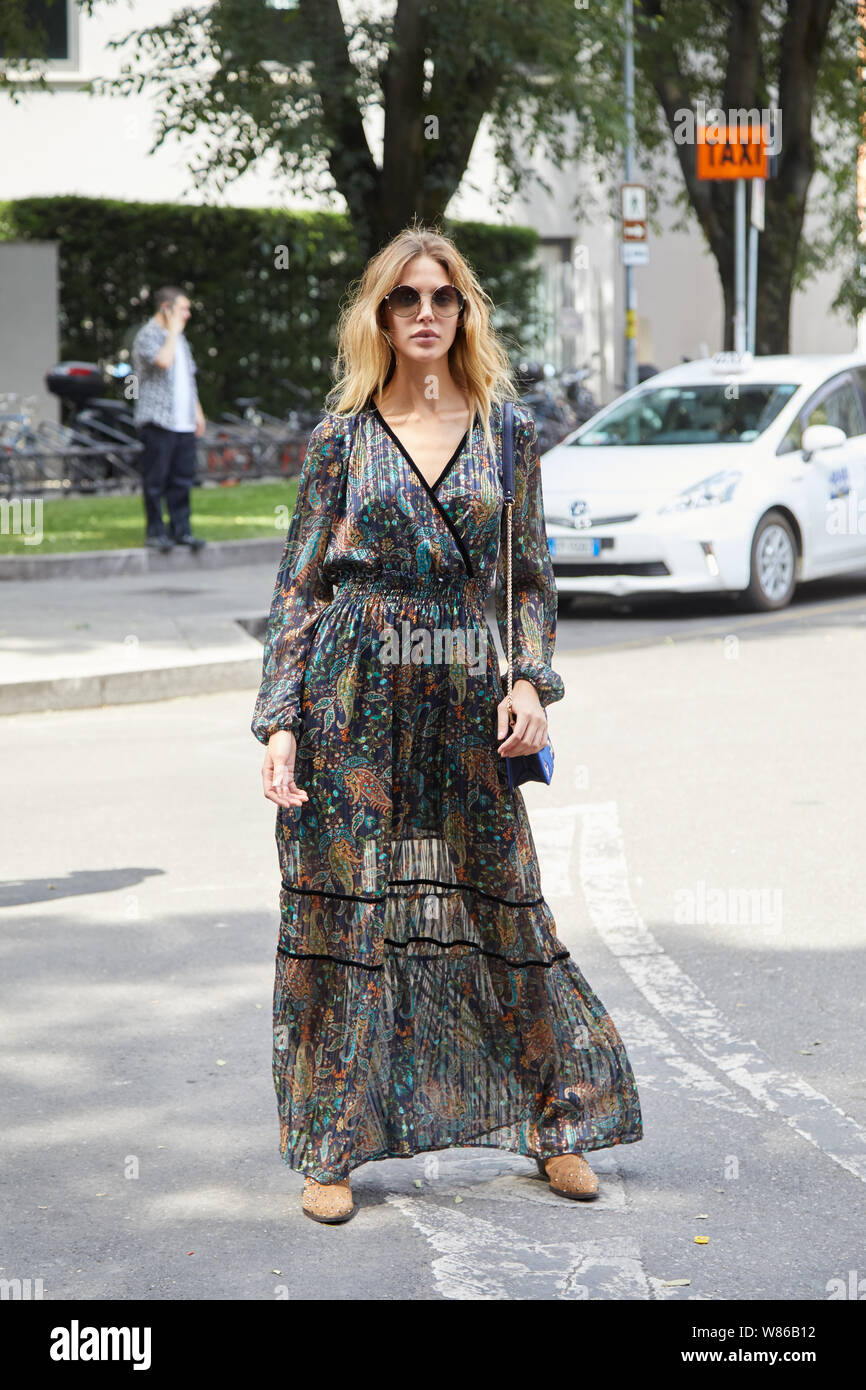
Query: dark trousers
x=167 y=466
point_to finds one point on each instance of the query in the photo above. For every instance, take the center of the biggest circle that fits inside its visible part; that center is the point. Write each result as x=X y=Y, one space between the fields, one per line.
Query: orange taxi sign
x=731 y=153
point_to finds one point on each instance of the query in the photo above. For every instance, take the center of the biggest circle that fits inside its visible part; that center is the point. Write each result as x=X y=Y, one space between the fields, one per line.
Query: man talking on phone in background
x=169 y=419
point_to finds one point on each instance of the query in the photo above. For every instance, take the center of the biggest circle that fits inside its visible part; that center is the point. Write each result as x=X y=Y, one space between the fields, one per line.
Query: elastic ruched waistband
x=422 y=585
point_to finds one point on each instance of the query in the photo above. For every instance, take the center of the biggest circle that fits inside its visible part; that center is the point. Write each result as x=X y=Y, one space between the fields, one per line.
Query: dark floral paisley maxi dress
x=422 y=998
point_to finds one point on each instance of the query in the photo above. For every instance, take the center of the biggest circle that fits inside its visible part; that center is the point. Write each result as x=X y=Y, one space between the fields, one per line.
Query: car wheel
x=773 y=564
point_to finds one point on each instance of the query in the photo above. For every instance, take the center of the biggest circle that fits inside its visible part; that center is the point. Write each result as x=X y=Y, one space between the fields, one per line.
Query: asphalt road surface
x=702 y=851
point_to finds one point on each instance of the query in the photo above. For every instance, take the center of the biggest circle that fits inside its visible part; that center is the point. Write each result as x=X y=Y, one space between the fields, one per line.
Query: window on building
x=40 y=29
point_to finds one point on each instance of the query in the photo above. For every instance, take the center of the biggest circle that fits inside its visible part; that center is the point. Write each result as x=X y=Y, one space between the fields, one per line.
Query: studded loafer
x=570 y=1175
x=328 y=1202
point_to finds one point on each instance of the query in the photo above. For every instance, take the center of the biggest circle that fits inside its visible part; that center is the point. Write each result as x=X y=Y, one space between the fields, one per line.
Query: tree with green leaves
x=800 y=58
x=298 y=82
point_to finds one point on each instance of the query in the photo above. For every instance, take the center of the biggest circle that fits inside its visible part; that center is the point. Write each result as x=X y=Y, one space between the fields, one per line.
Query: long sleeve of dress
x=533 y=587
x=302 y=591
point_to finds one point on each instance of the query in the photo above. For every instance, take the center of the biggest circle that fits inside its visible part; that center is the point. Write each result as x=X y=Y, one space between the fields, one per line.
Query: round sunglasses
x=404 y=300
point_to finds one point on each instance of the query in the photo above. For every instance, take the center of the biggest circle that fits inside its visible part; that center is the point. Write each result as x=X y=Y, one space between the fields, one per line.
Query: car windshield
x=728 y=413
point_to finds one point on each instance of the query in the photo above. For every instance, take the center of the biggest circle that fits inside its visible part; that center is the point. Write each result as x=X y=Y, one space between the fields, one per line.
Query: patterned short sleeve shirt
x=155 y=401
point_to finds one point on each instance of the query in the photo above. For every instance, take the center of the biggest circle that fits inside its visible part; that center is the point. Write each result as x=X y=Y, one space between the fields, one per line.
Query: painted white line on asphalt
x=604 y=877
x=509 y=1187
x=553 y=834
x=553 y=831
x=488 y=1178
x=480 y=1259
x=657 y=1062
x=503 y=1176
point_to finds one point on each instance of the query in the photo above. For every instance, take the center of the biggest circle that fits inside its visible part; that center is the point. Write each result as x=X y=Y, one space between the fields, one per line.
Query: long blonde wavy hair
x=366 y=359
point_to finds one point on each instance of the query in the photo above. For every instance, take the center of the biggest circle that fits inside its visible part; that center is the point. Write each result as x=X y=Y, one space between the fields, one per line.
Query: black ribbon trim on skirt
x=436 y=882
x=445 y=945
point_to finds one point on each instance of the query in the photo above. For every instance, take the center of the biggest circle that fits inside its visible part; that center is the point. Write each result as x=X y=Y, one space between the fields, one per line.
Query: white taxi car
x=732 y=474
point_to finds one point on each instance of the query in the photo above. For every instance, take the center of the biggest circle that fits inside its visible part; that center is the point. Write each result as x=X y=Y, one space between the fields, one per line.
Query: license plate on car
x=573 y=545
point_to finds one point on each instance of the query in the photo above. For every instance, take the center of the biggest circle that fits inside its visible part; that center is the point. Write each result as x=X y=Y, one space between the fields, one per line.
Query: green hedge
x=253 y=323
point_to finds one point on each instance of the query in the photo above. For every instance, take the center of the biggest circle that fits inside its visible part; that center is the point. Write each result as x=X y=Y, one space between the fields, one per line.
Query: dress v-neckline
x=431 y=487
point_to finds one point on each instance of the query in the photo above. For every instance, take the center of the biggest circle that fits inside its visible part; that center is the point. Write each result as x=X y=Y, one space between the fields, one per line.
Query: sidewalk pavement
x=116 y=627
x=119 y=626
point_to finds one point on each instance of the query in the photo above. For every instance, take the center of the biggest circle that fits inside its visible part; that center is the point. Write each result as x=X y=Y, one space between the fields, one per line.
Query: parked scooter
x=542 y=391
x=583 y=401
x=79 y=384
x=105 y=422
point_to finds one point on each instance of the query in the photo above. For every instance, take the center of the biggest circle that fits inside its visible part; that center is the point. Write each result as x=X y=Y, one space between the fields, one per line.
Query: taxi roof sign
x=731 y=152
x=728 y=361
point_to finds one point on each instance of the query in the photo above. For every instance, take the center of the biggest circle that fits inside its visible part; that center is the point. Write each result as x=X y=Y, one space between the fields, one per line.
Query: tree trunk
x=777 y=254
x=803 y=37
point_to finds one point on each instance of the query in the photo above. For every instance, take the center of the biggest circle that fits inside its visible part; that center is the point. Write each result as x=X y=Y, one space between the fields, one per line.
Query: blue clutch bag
x=530 y=767
x=522 y=767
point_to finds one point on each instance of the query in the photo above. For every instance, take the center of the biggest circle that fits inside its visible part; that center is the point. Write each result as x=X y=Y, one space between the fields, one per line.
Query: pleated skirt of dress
x=422 y=999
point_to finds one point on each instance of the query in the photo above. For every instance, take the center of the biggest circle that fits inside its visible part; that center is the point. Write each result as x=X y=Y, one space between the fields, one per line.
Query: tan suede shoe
x=570 y=1175
x=329 y=1202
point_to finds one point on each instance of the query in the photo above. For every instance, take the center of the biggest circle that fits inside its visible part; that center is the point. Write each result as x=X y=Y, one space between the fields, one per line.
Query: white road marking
x=662 y=1064
x=676 y=997
x=481 y=1259
x=503 y=1179
x=654 y=1055
x=511 y=1188
x=659 y=1060
x=552 y=831
x=478 y=1259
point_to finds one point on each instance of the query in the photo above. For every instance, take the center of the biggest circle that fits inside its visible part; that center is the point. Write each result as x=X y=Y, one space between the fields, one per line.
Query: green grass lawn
x=71 y=524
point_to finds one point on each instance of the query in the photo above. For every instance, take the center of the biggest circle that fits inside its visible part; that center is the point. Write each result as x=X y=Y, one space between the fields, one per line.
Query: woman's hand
x=529 y=731
x=278 y=770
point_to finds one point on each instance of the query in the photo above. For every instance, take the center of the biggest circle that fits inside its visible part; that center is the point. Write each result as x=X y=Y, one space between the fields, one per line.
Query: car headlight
x=707 y=493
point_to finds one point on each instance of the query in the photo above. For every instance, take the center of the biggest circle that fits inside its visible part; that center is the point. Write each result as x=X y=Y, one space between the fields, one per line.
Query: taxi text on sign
x=735 y=154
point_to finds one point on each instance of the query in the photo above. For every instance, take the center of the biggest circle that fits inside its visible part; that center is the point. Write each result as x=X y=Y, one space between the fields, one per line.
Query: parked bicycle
x=257 y=444
x=43 y=456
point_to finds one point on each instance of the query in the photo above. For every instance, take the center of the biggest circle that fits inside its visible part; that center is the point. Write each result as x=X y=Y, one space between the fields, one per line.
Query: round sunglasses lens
x=446 y=300
x=404 y=300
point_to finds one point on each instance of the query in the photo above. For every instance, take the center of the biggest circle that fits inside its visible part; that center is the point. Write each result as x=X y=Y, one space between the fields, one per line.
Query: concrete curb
x=103 y=564
x=129 y=687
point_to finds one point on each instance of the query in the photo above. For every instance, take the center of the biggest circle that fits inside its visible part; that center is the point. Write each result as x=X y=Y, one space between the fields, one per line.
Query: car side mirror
x=818 y=437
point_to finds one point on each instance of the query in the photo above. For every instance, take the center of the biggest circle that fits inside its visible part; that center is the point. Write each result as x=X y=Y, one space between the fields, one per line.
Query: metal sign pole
x=730 y=158
x=630 y=288
x=740 y=267
x=756 y=226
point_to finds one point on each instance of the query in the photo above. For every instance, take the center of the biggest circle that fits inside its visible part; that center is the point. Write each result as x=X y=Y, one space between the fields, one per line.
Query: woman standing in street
x=422 y=998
